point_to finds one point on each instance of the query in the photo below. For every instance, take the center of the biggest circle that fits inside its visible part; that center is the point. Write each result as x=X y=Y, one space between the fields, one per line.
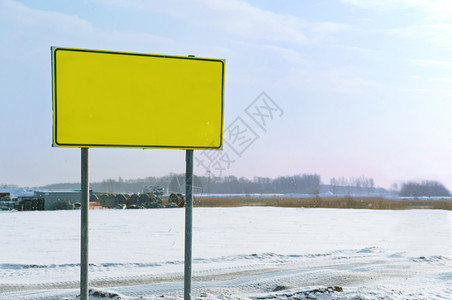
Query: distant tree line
x=115 y=185
x=352 y=185
x=8 y=186
x=424 y=188
x=296 y=184
x=303 y=184
x=131 y=185
x=300 y=184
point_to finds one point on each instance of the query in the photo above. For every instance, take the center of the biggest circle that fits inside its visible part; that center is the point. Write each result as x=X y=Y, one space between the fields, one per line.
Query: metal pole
x=188 y=222
x=84 y=289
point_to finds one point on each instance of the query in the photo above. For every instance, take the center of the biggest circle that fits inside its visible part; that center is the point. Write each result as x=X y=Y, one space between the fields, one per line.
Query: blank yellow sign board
x=133 y=100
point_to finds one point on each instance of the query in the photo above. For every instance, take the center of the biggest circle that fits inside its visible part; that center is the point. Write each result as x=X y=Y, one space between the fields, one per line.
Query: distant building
x=22 y=199
x=11 y=198
x=59 y=199
x=15 y=193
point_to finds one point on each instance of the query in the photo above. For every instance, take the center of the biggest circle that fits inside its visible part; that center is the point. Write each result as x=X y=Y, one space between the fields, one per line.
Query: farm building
x=59 y=199
x=11 y=198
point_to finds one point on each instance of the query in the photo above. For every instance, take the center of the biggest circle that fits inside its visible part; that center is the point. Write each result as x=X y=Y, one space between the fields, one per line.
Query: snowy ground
x=239 y=253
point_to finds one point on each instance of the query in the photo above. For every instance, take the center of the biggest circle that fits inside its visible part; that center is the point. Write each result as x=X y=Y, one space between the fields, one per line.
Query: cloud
x=64 y=27
x=288 y=54
x=382 y=5
x=354 y=49
x=345 y=80
x=430 y=9
x=253 y=23
x=423 y=20
x=445 y=80
x=240 y=19
x=25 y=16
x=431 y=63
x=438 y=34
x=436 y=76
x=341 y=80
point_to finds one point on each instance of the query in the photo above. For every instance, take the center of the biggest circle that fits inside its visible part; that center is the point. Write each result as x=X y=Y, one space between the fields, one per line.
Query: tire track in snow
x=258 y=275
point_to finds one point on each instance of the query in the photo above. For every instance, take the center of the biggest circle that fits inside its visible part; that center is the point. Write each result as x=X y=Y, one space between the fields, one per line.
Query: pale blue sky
x=365 y=85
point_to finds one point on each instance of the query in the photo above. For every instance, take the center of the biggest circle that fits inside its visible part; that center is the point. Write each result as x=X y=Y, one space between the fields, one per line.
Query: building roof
x=18 y=192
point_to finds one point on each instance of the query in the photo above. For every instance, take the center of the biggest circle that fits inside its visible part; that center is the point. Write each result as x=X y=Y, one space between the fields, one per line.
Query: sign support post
x=188 y=222
x=84 y=265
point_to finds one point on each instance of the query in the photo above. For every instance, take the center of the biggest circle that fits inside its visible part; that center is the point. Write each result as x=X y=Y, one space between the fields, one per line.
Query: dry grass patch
x=330 y=202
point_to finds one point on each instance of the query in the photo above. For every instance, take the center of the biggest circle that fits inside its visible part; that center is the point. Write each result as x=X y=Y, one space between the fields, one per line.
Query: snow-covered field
x=239 y=253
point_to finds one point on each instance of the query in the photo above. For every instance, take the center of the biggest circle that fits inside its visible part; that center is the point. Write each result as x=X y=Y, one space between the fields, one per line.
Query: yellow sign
x=133 y=100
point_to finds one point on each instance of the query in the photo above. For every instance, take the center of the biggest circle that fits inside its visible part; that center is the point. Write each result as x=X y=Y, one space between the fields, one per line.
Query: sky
x=339 y=88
